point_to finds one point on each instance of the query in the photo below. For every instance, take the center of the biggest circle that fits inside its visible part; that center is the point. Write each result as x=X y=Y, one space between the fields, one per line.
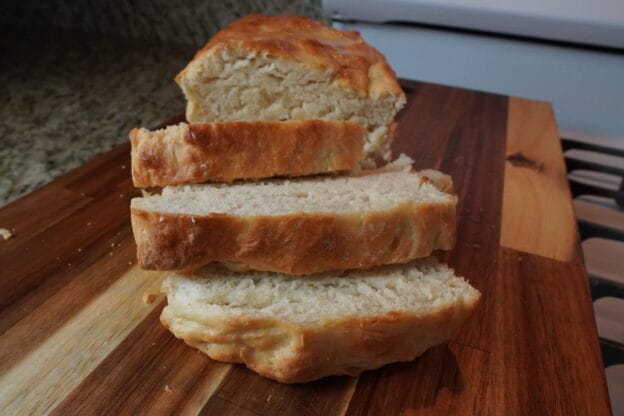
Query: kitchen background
x=76 y=76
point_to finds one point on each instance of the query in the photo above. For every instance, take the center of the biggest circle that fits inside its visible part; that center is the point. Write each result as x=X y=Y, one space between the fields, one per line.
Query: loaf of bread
x=296 y=276
x=298 y=329
x=299 y=226
x=293 y=68
x=226 y=151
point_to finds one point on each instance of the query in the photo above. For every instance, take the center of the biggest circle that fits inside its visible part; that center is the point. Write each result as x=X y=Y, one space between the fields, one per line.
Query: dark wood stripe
x=219 y=406
x=245 y=391
x=31 y=216
x=150 y=372
x=422 y=137
x=447 y=379
x=541 y=330
x=105 y=176
x=465 y=139
x=87 y=228
x=475 y=156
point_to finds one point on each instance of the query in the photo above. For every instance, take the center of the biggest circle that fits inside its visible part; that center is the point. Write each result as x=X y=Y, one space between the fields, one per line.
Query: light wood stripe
x=244 y=391
x=169 y=376
x=347 y=396
x=206 y=389
x=43 y=311
x=40 y=381
x=537 y=213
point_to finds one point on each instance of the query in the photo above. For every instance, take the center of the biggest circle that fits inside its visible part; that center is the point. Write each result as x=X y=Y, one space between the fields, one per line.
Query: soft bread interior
x=419 y=288
x=368 y=191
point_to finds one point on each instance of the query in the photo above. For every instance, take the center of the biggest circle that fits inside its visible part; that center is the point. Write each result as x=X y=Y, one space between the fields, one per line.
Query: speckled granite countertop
x=69 y=97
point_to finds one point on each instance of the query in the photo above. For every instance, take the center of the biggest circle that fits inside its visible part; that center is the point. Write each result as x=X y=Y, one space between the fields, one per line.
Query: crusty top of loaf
x=353 y=63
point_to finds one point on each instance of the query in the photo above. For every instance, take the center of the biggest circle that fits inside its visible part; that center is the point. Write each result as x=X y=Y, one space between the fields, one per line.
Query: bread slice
x=293 y=68
x=299 y=226
x=298 y=329
x=243 y=150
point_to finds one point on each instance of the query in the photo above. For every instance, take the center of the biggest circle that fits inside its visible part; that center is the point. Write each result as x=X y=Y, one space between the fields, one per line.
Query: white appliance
x=508 y=47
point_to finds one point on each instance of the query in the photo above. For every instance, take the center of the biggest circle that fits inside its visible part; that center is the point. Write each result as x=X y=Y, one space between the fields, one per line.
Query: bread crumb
x=88 y=224
x=79 y=249
x=161 y=219
x=110 y=254
x=129 y=263
x=193 y=220
x=123 y=166
x=268 y=400
x=519 y=259
x=6 y=234
x=148 y=298
x=168 y=389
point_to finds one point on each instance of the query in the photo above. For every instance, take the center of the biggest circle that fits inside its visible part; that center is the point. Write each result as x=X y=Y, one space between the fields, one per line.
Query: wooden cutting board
x=77 y=337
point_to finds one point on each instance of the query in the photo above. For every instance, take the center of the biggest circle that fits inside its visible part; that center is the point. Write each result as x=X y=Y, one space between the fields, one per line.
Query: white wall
x=586 y=87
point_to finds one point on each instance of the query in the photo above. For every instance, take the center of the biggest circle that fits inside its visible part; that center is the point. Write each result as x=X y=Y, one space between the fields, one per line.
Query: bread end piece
x=227 y=151
x=293 y=68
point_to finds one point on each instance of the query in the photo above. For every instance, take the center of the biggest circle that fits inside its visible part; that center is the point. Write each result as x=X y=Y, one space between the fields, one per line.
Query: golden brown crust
x=227 y=151
x=354 y=63
x=303 y=243
x=293 y=352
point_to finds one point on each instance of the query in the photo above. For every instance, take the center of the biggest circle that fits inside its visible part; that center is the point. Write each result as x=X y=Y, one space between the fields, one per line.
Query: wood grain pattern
x=447 y=379
x=537 y=195
x=171 y=377
x=66 y=356
x=325 y=397
x=542 y=335
x=76 y=337
x=537 y=341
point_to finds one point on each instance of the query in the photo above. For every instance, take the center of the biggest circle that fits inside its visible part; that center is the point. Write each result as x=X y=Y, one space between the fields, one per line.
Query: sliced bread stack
x=295 y=274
